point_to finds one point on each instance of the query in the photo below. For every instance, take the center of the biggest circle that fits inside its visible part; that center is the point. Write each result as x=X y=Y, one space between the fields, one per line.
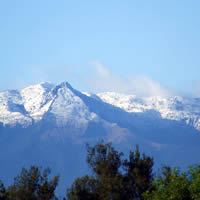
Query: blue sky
x=91 y=42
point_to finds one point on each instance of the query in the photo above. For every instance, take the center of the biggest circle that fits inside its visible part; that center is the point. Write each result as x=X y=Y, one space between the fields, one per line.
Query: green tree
x=32 y=184
x=83 y=188
x=103 y=159
x=113 y=178
x=194 y=176
x=138 y=176
x=105 y=163
x=171 y=185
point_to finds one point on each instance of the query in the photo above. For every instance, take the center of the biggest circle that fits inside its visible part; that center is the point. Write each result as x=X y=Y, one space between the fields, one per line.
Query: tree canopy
x=33 y=184
x=112 y=177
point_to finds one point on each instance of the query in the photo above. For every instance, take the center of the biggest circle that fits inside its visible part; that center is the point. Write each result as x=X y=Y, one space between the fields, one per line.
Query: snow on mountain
x=12 y=109
x=33 y=103
x=57 y=106
x=68 y=109
x=172 y=108
x=37 y=99
x=48 y=125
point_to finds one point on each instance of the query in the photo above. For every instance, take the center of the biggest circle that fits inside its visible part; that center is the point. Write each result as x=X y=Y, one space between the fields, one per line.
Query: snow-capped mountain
x=172 y=108
x=33 y=103
x=57 y=106
x=48 y=125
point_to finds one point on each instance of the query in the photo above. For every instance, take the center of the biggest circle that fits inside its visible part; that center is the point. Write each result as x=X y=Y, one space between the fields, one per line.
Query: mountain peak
x=35 y=101
x=66 y=85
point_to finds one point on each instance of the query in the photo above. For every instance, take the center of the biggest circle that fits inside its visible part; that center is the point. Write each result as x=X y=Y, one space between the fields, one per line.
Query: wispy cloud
x=95 y=77
x=103 y=79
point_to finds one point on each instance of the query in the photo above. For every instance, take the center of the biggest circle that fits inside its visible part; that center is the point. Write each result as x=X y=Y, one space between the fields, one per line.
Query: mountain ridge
x=48 y=125
x=33 y=102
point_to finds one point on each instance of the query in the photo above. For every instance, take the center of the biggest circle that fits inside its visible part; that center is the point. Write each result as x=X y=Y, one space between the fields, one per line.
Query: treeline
x=113 y=177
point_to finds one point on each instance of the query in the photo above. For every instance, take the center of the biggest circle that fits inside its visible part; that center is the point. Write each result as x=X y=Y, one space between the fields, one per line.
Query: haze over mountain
x=48 y=125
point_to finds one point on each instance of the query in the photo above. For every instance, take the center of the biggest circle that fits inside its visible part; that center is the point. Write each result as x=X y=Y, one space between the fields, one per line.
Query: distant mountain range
x=48 y=125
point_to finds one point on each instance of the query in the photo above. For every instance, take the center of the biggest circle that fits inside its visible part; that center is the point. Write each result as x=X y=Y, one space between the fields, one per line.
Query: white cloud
x=104 y=79
x=95 y=78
